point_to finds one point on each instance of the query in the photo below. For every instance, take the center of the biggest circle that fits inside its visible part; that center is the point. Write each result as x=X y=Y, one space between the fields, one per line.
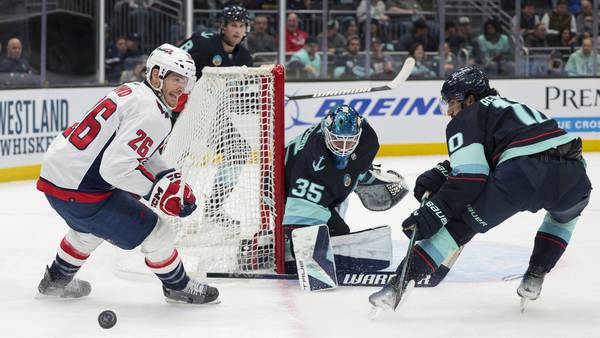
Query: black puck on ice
x=107 y=319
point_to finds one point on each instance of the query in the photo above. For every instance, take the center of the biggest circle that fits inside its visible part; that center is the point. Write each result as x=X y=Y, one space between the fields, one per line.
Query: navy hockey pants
x=120 y=219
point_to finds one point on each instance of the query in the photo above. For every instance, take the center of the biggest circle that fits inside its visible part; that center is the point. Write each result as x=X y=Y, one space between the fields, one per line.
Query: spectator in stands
x=403 y=6
x=567 y=40
x=115 y=59
x=496 y=49
x=298 y=4
x=585 y=18
x=350 y=65
x=377 y=32
x=306 y=62
x=528 y=19
x=581 y=63
x=294 y=36
x=382 y=64
x=555 y=64
x=422 y=69
x=350 y=28
x=470 y=41
x=14 y=62
x=336 y=42
x=133 y=46
x=1 y=56
x=559 y=19
x=455 y=41
x=538 y=38
x=134 y=69
x=450 y=62
x=419 y=34
x=377 y=11
x=259 y=40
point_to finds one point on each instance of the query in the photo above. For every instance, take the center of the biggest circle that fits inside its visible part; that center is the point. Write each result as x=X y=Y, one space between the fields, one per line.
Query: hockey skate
x=531 y=285
x=195 y=292
x=75 y=288
x=389 y=297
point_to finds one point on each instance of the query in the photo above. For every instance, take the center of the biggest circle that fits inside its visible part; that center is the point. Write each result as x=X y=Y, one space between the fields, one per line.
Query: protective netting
x=223 y=142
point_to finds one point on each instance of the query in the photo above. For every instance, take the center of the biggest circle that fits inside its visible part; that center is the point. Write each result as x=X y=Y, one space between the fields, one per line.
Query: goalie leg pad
x=363 y=251
x=379 y=191
x=314 y=258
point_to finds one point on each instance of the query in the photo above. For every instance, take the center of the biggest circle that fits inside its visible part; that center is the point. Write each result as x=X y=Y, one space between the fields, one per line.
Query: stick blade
x=404 y=73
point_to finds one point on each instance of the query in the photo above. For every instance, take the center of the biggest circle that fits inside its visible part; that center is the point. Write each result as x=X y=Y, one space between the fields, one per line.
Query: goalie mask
x=342 y=128
x=168 y=58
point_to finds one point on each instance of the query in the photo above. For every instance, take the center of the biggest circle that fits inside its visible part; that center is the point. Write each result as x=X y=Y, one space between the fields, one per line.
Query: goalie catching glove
x=379 y=190
x=164 y=195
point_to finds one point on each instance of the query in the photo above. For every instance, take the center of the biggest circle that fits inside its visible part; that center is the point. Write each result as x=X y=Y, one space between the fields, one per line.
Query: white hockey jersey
x=114 y=146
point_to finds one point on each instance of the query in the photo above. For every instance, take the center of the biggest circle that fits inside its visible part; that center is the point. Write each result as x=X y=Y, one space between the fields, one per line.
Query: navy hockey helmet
x=235 y=12
x=463 y=82
x=342 y=128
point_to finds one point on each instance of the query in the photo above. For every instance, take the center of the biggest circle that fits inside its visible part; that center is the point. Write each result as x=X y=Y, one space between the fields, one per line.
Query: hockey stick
x=400 y=285
x=404 y=73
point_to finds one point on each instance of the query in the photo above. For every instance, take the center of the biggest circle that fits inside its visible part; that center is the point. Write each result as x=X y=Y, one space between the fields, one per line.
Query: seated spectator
x=336 y=42
x=133 y=69
x=133 y=46
x=307 y=61
x=350 y=28
x=555 y=64
x=496 y=49
x=455 y=41
x=382 y=65
x=350 y=65
x=14 y=62
x=538 y=38
x=422 y=69
x=115 y=58
x=567 y=40
x=450 y=63
x=585 y=19
x=377 y=32
x=294 y=36
x=581 y=63
x=403 y=6
x=529 y=19
x=559 y=19
x=259 y=40
x=420 y=35
x=470 y=42
x=377 y=11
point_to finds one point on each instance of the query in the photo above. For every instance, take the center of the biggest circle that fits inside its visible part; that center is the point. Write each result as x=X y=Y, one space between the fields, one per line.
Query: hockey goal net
x=229 y=144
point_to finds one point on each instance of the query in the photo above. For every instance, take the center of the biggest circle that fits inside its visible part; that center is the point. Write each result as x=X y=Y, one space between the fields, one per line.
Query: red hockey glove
x=164 y=195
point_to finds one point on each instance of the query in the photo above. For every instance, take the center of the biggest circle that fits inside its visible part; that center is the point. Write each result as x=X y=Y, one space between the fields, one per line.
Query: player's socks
x=170 y=271
x=67 y=262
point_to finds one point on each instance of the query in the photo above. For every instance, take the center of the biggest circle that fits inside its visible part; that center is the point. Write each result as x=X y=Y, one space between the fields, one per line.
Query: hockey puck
x=107 y=319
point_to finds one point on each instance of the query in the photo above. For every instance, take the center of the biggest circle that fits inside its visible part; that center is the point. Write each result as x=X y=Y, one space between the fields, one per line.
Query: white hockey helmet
x=169 y=58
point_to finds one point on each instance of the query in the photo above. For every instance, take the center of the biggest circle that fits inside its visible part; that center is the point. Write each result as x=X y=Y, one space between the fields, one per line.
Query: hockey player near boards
x=327 y=162
x=92 y=171
x=223 y=50
x=505 y=157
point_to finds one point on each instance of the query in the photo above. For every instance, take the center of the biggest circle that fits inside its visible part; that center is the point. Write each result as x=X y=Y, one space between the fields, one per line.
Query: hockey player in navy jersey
x=505 y=157
x=327 y=162
x=223 y=50
x=92 y=171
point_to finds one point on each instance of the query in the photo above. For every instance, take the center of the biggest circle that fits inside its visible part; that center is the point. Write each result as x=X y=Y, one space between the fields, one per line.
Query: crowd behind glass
x=556 y=34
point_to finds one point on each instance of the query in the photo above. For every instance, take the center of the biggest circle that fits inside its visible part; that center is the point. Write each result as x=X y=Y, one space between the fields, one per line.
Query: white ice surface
x=569 y=305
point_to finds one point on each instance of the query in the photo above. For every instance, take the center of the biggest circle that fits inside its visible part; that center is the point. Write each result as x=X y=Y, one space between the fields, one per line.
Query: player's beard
x=230 y=43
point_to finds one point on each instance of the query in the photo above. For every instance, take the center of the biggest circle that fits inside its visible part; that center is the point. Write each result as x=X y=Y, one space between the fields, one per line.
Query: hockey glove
x=432 y=180
x=164 y=195
x=428 y=220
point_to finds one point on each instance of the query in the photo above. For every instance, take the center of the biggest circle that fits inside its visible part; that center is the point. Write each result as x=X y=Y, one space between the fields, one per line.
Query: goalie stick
x=404 y=73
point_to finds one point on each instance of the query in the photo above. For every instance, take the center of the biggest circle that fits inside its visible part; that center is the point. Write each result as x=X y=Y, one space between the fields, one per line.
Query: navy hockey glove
x=164 y=195
x=429 y=219
x=432 y=180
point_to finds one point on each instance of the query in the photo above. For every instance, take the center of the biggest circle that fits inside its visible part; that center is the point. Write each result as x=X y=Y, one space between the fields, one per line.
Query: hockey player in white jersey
x=93 y=173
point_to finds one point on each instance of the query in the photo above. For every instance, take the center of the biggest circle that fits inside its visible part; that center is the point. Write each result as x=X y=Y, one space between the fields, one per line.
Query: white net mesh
x=223 y=142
